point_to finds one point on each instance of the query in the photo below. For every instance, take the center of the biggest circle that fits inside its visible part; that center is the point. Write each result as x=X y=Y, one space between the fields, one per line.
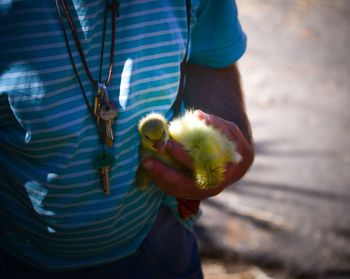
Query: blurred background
x=290 y=216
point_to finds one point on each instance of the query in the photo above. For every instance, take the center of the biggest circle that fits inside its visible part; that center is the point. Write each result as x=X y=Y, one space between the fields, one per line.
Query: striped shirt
x=53 y=213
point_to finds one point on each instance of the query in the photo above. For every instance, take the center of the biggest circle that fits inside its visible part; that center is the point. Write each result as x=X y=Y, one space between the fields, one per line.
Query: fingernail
x=148 y=165
x=200 y=114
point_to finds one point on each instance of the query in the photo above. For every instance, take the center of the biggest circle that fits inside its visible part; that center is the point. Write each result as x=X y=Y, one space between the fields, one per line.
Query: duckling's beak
x=160 y=145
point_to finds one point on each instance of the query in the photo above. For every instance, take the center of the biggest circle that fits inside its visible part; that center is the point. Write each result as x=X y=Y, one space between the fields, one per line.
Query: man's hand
x=181 y=183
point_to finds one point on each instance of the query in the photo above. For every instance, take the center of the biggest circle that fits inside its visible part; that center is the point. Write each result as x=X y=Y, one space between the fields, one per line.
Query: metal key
x=101 y=99
x=108 y=112
x=108 y=136
x=103 y=162
x=97 y=103
x=104 y=179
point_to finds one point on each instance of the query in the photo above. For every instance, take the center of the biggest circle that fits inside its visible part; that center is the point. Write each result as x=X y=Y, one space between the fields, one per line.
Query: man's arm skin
x=218 y=92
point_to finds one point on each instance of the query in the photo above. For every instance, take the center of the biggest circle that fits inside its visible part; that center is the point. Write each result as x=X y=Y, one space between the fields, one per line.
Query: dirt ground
x=291 y=211
x=239 y=270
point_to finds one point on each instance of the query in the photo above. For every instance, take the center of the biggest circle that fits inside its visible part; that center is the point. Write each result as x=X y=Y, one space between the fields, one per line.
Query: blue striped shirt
x=54 y=214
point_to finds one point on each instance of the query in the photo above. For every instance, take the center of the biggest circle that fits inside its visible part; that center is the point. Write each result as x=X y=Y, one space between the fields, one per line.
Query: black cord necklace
x=104 y=111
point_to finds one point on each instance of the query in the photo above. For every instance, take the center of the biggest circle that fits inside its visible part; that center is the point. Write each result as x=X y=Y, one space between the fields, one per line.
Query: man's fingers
x=235 y=171
x=228 y=128
x=230 y=174
x=175 y=182
x=167 y=178
x=178 y=152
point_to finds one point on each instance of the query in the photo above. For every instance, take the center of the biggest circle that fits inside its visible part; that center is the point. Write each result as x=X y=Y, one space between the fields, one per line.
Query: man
x=69 y=205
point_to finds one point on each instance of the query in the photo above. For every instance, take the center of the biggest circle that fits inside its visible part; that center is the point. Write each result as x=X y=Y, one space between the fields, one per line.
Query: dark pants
x=169 y=251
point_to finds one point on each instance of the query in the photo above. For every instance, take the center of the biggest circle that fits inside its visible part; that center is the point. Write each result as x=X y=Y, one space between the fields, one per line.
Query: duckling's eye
x=147 y=137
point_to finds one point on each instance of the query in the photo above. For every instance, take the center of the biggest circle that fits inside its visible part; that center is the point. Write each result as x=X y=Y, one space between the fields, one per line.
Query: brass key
x=108 y=112
x=97 y=104
x=109 y=133
x=103 y=162
x=104 y=179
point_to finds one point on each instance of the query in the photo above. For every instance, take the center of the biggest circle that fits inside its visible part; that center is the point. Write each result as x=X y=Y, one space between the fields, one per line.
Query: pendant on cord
x=105 y=112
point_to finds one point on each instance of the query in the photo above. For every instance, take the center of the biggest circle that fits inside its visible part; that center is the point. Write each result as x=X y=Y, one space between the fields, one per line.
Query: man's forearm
x=219 y=92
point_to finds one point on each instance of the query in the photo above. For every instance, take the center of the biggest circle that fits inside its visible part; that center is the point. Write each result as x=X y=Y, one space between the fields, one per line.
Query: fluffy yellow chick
x=209 y=149
x=154 y=133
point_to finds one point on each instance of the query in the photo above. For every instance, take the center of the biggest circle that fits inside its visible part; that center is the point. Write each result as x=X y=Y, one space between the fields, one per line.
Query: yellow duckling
x=209 y=149
x=154 y=133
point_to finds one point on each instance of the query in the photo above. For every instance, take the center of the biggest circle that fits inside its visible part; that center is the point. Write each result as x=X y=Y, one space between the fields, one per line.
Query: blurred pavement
x=293 y=207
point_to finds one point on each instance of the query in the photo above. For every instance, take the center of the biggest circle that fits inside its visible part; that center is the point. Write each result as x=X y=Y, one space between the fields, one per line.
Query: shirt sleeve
x=217 y=39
